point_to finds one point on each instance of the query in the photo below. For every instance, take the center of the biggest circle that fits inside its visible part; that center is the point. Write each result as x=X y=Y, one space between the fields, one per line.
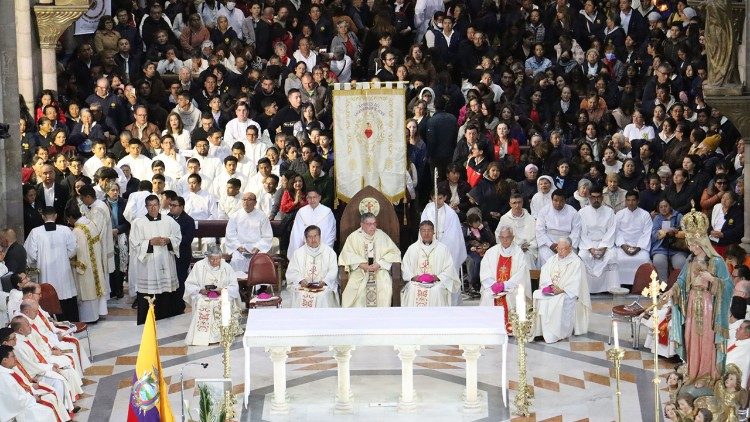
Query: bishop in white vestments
x=312 y=214
x=504 y=268
x=633 y=238
x=248 y=233
x=524 y=230
x=368 y=254
x=556 y=220
x=596 y=247
x=203 y=291
x=313 y=273
x=562 y=302
x=430 y=276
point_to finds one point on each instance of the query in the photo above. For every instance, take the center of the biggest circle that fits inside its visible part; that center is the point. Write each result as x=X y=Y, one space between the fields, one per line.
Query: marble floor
x=572 y=380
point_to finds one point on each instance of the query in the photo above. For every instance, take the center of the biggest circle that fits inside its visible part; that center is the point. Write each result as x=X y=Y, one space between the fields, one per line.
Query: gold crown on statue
x=695 y=223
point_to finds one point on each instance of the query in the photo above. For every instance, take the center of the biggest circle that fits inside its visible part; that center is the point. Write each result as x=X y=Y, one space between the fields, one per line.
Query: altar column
x=471 y=395
x=278 y=355
x=343 y=355
x=407 y=402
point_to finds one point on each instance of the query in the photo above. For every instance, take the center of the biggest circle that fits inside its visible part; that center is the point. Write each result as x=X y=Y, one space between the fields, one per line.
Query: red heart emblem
x=368 y=133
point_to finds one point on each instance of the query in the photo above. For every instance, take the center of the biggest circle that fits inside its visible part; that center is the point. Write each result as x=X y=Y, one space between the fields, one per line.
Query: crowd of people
x=569 y=136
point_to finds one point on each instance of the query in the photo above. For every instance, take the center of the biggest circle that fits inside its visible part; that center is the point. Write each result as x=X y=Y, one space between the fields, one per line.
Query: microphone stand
x=182 y=392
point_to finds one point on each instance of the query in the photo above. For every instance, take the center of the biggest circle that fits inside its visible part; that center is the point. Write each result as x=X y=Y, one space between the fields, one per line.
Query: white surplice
x=18 y=404
x=598 y=231
x=314 y=265
x=50 y=251
x=201 y=205
x=524 y=231
x=152 y=269
x=634 y=229
x=519 y=273
x=552 y=224
x=434 y=259
x=559 y=316
x=320 y=216
x=249 y=230
x=204 y=326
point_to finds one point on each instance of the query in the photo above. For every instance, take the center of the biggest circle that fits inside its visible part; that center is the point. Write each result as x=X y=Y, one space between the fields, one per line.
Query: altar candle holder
x=653 y=290
x=228 y=334
x=523 y=331
x=616 y=354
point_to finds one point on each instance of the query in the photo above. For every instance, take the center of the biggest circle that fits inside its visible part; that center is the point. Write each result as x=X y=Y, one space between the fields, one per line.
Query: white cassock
x=665 y=314
x=433 y=259
x=219 y=183
x=174 y=166
x=201 y=205
x=250 y=230
x=634 y=229
x=494 y=268
x=320 y=216
x=598 y=231
x=206 y=321
x=524 y=232
x=136 y=206
x=209 y=165
x=229 y=206
x=738 y=353
x=314 y=265
x=17 y=404
x=152 y=269
x=67 y=342
x=552 y=224
x=93 y=286
x=26 y=351
x=101 y=216
x=140 y=167
x=50 y=251
x=357 y=248
x=561 y=315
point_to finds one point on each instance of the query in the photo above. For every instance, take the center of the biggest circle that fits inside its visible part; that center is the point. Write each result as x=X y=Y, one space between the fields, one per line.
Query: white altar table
x=342 y=329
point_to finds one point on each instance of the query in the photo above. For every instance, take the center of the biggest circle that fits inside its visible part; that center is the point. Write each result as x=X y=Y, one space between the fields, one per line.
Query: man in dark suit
x=50 y=194
x=119 y=226
x=187 y=228
x=15 y=255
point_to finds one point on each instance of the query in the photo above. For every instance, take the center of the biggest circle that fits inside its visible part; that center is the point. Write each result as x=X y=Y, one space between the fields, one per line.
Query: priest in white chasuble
x=100 y=215
x=562 y=302
x=248 y=232
x=633 y=238
x=18 y=401
x=154 y=244
x=503 y=269
x=312 y=214
x=448 y=229
x=427 y=267
x=368 y=254
x=556 y=220
x=524 y=230
x=93 y=287
x=596 y=247
x=313 y=273
x=203 y=291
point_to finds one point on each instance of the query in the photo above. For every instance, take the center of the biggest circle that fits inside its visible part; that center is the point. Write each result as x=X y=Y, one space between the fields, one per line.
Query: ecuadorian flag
x=149 y=400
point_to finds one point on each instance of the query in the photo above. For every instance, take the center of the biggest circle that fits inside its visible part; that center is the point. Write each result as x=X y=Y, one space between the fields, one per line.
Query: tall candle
x=616 y=334
x=521 y=304
x=226 y=308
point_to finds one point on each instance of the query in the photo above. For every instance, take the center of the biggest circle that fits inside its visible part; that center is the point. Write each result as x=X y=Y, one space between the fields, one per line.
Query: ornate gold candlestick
x=228 y=335
x=616 y=355
x=523 y=331
x=652 y=291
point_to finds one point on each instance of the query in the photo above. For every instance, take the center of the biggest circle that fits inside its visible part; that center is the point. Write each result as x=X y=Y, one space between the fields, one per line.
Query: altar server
x=597 y=243
x=633 y=238
x=248 y=233
x=49 y=248
x=368 y=252
x=313 y=273
x=524 y=230
x=199 y=203
x=562 y=302
x=18 y=401
x=93 y=287
x=203 y=291
x=556 y=220
x=429 y=274
x=312 y=214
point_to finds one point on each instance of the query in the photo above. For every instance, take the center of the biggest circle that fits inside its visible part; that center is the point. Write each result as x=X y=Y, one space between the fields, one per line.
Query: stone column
x=746 y=197
x=343 y=355
x=471 y=395
x=11 y=206
x=278 y=355
x=25 y=51
x=51 y=22
x=407 y=402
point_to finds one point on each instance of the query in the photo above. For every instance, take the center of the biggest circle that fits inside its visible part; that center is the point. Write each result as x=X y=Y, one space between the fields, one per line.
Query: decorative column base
x=471 y=394
x=280 y=401
x=343 y=355
x=407 y=402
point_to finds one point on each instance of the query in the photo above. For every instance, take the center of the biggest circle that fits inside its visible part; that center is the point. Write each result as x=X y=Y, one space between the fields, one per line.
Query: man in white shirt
x=312 y=214
x=638 y=129
x=235 y=129
x=313 y=273
x=95 y=162
x=140 y=165
x=556 y=220
x=596 y=247
x=633 y=238
x=200 y=204
x=248 y=233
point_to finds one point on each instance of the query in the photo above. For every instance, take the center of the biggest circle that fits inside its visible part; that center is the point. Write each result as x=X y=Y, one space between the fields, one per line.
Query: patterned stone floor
x=572 y=380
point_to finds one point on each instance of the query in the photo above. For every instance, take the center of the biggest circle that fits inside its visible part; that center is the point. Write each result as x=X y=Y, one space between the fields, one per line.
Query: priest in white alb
x=429 y=274
x=93 y=288
x=368 y=255
x=18 y=401
x=562 y=302
x=556 y=220
x=100 y=215
x=596 y=247
x=633 y=238
x=49 y=248
x=312 y=214
x=203 y=291
x=248 y=232
x=524 y=230
x=313 y=273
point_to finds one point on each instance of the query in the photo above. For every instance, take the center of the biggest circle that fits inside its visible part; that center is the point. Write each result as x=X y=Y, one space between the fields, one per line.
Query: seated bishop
x=313 y=273
x=19 y=401
x=504 y=268
x=203 y=287
x=597 y=242
x=367 y=256
x=562 y=301
x=429 y=269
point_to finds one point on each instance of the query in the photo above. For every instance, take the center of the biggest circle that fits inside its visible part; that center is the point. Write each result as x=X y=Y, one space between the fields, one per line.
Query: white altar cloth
x=277 y=330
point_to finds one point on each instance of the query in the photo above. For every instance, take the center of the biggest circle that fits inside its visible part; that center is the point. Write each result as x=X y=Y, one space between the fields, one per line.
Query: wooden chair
x=209 y=229
x=261 y=272
x=534 y=275
x=387 y=222
x=50 y=302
